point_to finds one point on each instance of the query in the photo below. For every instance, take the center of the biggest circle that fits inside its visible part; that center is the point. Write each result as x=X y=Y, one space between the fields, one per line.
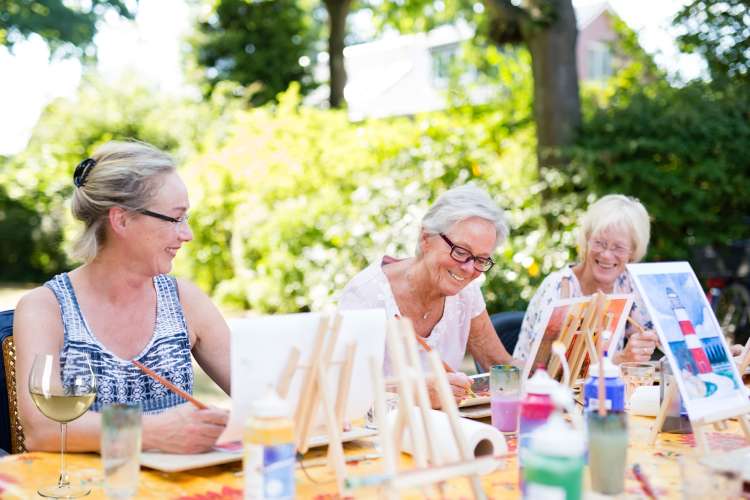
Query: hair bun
x=82 y=171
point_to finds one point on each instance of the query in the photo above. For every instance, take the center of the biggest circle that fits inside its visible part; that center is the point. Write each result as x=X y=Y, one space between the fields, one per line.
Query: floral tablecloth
x=21 y=475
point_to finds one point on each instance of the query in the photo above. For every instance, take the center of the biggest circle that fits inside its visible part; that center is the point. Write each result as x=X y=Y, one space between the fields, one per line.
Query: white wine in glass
x=62 y=392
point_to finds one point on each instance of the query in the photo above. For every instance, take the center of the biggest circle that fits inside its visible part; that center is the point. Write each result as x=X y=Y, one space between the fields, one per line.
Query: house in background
x=409 y=74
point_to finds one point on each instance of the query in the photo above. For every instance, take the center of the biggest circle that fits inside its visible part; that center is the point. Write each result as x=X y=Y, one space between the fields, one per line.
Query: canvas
x=554 y=321
x=698 y=354
x=260 y=348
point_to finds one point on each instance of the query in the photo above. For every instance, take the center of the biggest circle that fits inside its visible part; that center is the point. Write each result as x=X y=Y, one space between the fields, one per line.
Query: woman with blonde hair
x=122 y=305
x=614 y=231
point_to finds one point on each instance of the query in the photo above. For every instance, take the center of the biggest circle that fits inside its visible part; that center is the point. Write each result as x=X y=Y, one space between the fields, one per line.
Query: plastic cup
x=505 y=395
x=121 y=449
x=608 y=448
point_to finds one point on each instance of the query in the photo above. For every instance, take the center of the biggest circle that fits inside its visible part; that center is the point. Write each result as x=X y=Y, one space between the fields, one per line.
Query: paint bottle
x=614 y=388
x=553 y=462
x=269 y=459
x=536 y=407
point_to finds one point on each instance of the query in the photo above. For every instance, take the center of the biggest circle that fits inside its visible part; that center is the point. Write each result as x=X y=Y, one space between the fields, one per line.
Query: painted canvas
x=556 y=319
x=706 y=375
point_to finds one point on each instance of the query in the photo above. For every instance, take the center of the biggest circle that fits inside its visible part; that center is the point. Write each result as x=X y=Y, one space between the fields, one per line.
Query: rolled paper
x=483 y=439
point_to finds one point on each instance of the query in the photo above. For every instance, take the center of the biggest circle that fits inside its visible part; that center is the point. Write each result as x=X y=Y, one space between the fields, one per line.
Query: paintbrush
x=645 y=485
x=169 y=385
x=636 y=324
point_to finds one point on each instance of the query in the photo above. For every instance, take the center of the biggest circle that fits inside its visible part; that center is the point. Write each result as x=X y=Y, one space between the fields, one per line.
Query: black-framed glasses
x=462 y=255
x=156 y=215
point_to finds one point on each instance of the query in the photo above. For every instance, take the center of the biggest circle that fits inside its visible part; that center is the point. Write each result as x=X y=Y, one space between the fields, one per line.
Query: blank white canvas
x=260 y=348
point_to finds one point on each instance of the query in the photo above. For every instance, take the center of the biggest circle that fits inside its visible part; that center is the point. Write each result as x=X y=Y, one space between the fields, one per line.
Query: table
x=21 y=475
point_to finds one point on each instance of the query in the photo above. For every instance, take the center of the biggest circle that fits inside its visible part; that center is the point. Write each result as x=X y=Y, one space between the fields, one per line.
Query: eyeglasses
x=602 y=246
x=462 y=255
x=177 y=222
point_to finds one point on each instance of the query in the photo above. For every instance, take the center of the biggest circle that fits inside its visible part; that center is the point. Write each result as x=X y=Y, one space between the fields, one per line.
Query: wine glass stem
x=63 y=481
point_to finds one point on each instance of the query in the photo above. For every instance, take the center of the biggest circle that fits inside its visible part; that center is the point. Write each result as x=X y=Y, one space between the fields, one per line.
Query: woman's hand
x=460 y=384
x=640 y=347
x=184 y=429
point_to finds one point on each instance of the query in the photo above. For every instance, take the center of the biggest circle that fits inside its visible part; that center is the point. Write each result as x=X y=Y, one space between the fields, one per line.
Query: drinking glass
x=635 y=375
x=63 y=390
x=121 y=449
x=505 y=395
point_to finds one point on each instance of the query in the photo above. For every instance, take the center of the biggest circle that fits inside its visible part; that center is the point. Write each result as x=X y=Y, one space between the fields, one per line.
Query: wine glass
x=63 y=387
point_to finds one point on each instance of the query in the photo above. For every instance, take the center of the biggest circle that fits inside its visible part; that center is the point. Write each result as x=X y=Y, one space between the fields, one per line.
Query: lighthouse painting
x=691 y=338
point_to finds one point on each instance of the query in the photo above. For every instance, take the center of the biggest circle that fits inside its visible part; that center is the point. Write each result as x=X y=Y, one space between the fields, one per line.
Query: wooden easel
x=718 y=421
x=412 y=385
x=580 y=334
x=315 y=390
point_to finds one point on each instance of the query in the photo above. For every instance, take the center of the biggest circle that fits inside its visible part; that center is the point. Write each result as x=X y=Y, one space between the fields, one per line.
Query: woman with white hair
x=122 y=306
x=437 y=289
x=614 y=231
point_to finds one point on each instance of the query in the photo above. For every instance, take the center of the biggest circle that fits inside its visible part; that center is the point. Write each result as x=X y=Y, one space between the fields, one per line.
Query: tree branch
x=506 y=20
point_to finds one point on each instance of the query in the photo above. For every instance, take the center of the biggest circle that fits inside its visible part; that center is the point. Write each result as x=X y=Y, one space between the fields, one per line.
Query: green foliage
x=683 y=152
x=39 y=180
x=58 y=22
x=719 y=30
x=256 y=43
x=303 y=199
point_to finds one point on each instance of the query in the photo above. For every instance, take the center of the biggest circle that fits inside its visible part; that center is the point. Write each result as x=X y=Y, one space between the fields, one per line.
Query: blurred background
x=314 y=134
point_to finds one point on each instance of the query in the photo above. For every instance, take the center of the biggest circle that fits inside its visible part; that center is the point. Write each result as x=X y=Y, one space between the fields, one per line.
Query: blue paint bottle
x=614 y=388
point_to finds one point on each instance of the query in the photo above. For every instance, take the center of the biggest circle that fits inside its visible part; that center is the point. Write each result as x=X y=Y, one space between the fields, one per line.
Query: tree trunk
x=557 y=103
x=548 y=28
x=337 y=13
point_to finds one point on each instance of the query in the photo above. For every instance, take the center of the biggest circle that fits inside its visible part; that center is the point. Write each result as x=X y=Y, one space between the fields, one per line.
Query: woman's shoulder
x=366 y=287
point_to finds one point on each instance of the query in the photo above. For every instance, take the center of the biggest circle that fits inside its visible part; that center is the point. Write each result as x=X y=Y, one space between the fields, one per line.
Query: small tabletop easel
x=315 y=390
x=718 y=421
x=411 y=382
x=580 y=334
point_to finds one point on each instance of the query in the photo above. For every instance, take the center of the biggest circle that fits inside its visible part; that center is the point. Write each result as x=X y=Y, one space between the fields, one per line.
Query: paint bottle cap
x=541 y=383
x=557 y=438
x=270 y=406
x=610 y=369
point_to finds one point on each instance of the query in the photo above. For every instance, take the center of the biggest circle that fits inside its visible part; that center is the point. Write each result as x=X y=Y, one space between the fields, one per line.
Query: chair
x=11 y=431
x=507 y=326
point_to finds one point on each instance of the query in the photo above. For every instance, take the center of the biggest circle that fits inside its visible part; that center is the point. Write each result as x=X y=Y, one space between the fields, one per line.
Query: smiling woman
x=614 y=231
x=437 y=289
x=122 y=308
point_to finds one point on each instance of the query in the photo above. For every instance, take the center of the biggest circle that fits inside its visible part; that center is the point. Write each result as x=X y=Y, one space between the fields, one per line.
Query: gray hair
x=461 y=203
x=616 y=211
x=127 y=175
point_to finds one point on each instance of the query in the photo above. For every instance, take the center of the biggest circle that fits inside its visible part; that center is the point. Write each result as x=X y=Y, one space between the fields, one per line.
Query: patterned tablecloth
x=21 y=475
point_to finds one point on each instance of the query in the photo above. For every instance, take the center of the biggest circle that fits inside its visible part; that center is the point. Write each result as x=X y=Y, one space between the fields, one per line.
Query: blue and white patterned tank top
x=118 y=380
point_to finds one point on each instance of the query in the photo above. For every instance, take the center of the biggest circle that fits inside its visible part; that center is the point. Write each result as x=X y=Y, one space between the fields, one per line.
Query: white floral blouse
x=371 y=289
x=550 y=290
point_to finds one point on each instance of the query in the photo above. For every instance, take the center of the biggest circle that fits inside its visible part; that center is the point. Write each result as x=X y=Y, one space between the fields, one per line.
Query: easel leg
x=669 y=395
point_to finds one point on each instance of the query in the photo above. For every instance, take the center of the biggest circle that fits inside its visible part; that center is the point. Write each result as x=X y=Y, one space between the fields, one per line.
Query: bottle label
x=269 y=471
x=594 y=404
x=536 y=491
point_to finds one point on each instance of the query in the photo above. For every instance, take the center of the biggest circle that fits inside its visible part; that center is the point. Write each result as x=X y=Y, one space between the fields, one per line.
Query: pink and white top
x=370 y=289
